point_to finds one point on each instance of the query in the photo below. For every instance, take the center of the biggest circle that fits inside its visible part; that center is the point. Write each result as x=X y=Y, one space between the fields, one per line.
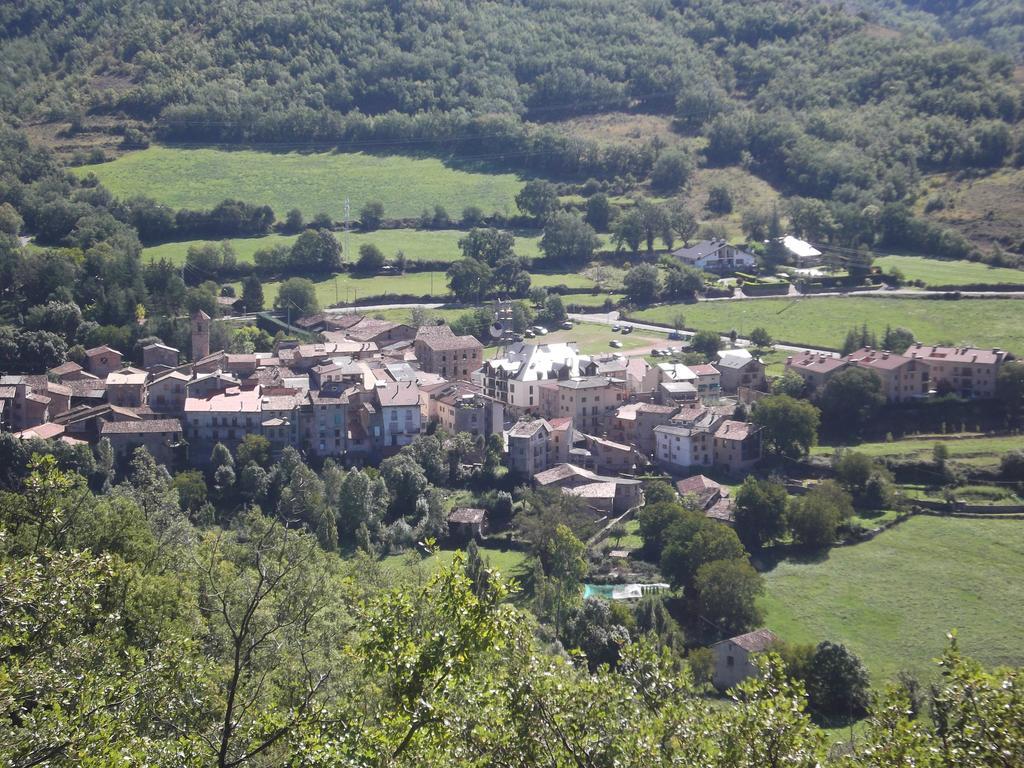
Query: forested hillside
x=806 y=96
x=999 y=23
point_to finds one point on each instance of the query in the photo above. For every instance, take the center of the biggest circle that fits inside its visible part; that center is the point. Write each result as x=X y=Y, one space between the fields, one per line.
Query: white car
x=616 y=327
x=567 y=325
x=615 y=343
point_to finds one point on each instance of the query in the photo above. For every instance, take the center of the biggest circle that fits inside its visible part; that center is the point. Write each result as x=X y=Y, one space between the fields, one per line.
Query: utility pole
x=348 y=213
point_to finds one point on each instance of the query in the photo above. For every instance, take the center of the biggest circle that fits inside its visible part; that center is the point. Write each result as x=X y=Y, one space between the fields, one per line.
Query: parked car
x=616 y=327
x=539 y=330
x=615 y=343
x=567 y=325
x=627 y=329
x=528 y=333
x=657 y=353
x=675 y=336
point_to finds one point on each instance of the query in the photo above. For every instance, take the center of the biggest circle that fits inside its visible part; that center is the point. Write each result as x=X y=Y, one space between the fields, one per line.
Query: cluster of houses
x=367 y=387
x=921 y=371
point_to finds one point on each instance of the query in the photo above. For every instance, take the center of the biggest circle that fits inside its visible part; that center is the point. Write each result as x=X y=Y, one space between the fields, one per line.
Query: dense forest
x=1000 y=23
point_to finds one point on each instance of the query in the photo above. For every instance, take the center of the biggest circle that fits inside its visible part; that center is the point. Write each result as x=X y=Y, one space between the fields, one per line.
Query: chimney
x=885 y=355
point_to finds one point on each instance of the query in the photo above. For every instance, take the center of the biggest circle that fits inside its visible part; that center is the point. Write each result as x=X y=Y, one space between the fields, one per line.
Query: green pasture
x=313 y=182
x=346 y=288
x=935 y=272
x=508 y=562
x=968 y=449
x=416 y=244
x=893 y=599
x=824 y=321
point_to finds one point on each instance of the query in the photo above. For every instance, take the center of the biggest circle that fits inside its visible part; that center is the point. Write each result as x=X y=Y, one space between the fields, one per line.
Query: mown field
x=935 y=272
x=893 y=599
x=969 y=449
x=824 y=321
x=416 y=244
x=313 y=182
x=508 y=562
x=345 y=288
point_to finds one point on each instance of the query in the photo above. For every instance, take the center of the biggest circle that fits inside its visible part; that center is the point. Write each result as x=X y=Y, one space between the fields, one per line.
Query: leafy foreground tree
x=130 y=638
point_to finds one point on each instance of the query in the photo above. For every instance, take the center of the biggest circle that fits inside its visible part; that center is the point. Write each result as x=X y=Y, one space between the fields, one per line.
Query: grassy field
x=892 y=600
x=508 y=562
x=313 y=182
x=935 y=272
x=969 y=449
x=416 y=244
x=824 y=321
x=345 y=287
x=350 y=288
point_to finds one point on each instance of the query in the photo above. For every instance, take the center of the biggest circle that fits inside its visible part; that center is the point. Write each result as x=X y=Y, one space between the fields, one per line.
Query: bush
x=371 y=215
x=837 y=682
x=371 y=259
x=719 y=200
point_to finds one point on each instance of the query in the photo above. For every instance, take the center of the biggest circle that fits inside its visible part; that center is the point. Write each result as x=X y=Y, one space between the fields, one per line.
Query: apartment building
x=968 y=372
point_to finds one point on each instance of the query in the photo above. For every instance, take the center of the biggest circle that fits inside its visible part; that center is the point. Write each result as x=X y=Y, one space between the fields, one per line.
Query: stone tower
x=200 y=335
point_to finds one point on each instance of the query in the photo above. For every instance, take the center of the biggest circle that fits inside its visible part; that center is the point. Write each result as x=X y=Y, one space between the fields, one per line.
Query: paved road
x=913 y=293
x=380 y=307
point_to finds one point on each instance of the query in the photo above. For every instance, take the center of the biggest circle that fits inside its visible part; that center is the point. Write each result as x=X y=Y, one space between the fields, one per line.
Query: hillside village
x=565 y=384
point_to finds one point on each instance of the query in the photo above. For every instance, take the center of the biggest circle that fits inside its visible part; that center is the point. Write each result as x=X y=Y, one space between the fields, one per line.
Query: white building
x=715 y=256
x=399 y=410
x=680 y=448
x=803 y=253
x=513 y=378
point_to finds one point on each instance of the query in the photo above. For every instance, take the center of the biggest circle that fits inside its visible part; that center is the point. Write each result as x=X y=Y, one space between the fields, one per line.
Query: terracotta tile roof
x=140 y=427
x=101 y=350
x=735 y=430
x=882 y=360
x=956 y=354
x=696 y=484
x=816 y=361
x=45 y=431
x=593 y=491
x=754 y=642
x=65 y=369
x=467 y=515
x=404 y=394
x=528 y=428
x=450 y=342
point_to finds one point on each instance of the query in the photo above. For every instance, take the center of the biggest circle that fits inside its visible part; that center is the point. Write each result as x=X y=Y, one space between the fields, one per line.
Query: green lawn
x=345 y=287
x=313 y=182
x=893 y=599
x=824 y=321
x=244 y=248
x=507 y=562
x=977 y=451
x=416 y=244
x=937 y=272
x=350 y=288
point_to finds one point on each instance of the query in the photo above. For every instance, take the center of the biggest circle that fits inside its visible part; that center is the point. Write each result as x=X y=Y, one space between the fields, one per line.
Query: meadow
x=935 y=272
x=313 y=182
x=345 y=288
x=824 y=321
x=893 y=599
x=975 y=450
x=417 y=245
x=508 y=562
